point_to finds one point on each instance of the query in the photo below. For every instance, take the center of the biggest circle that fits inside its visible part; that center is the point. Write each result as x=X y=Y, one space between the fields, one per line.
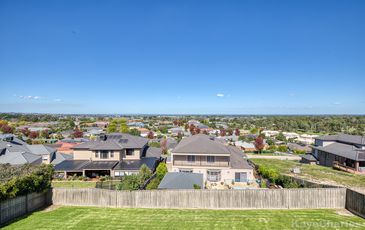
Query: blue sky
x=183 y=57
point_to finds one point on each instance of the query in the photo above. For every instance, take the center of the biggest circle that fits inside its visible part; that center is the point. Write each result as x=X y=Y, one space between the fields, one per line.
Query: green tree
x=134 y=132
x=161 y=171
x=123 y=128
x=144 y=174
x=129 y=182
x=254 y=130
x=112 y=128
x=280 y=137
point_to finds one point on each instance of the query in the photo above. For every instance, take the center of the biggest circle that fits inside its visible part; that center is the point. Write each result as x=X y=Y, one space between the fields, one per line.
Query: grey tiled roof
x=134 y=165
x=343 y=150
x=18 y=152
x=114 y=141
x=180 y=180
x=237 y=160
x=60 y=157
x=200 y=143
x=19 y=158
x=71 y=165
x=351 y=139
x=41 y=149
x=100 y=165
x=153 y=152
x=308 y=157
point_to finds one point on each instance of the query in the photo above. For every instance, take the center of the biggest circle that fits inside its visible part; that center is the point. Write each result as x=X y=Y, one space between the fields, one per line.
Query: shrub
x=161 y=171
x=129 y=182
x=282 y=148
x=196 y=186
x=33 y=179
x=154 y=183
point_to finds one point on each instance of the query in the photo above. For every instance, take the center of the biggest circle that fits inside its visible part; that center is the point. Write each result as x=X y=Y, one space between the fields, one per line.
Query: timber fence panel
x=13 y=208
x=355 y=202
x=204 y=199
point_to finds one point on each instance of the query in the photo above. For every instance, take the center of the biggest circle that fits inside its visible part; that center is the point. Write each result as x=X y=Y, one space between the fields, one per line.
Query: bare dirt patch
x=344 y=212
x=51 y=208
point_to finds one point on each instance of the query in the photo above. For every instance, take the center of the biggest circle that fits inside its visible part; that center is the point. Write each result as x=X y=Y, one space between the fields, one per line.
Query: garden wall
x=311 y=198
x=22 y=205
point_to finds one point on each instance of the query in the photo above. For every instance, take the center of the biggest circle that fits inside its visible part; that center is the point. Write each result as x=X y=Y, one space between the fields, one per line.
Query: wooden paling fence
x=22 y=205
x=355 y=202
x=308 y=198
x=312 y=198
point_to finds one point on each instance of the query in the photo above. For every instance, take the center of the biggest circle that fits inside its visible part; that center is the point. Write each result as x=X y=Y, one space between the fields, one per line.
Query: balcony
x=201 y=163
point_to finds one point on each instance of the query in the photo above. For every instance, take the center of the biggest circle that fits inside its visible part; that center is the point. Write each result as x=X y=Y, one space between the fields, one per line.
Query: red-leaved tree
x=150 y=135
x=78 y=133
x=33 y=134
x=163 y=144
x=259 y=144
x=222 y=132
x=237 y=132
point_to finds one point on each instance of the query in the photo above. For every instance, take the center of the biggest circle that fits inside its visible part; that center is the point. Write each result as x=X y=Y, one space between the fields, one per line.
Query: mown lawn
x=73 y=184
x=314 y=172
x=108 y=218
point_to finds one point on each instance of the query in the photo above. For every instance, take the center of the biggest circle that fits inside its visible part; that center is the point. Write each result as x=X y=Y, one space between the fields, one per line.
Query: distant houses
x=245 y=146
x=16 y=152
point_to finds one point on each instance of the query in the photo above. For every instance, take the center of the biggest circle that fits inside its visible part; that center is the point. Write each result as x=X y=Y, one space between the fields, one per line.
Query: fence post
x=1 y=213
x=26 y=203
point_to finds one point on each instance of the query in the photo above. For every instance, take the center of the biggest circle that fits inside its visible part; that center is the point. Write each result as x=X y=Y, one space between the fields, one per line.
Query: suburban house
x=346 y=152
x=245 y=146
x=114 y=155
x=217 y=162
x=16 y=152
x=299 y=147
x=175 y=131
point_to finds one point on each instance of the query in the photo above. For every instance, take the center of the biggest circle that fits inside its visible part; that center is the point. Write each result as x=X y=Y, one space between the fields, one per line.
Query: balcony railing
x=201 y=163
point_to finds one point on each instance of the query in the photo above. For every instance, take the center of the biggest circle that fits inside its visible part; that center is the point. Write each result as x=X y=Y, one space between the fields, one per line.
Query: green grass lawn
x=73 y=184
x=108 y=218
x=315 y=172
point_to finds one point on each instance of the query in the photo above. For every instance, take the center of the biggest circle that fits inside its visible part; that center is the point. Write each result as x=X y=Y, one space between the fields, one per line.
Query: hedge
x=32 y=179
x=275 y=177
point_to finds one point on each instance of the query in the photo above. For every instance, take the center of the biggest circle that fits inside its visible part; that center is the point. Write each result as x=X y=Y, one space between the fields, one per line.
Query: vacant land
x=73 y=184
x=317 y=173
x=107 y=218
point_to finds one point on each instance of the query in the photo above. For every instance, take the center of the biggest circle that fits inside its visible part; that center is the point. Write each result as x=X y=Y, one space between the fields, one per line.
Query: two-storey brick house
x=216 y=161
x=112 y=154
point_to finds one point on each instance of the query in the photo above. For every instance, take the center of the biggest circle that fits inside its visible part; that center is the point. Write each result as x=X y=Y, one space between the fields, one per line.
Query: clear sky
x=183 y=57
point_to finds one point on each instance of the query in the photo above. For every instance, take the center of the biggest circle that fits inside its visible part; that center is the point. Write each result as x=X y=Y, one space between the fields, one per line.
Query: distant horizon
x=161 y=114
x=188 y=57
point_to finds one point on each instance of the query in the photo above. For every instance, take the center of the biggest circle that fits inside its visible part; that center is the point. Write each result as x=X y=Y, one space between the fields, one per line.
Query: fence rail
x=22 y=205
x=313 y=198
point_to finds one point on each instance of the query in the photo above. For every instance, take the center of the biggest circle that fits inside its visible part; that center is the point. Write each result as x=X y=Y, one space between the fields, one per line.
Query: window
x=96 y=154
x=104 y=154
x=129 y=152
x=213 y=175
x=111 y=154
x=210 y=159
x=191 y=159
